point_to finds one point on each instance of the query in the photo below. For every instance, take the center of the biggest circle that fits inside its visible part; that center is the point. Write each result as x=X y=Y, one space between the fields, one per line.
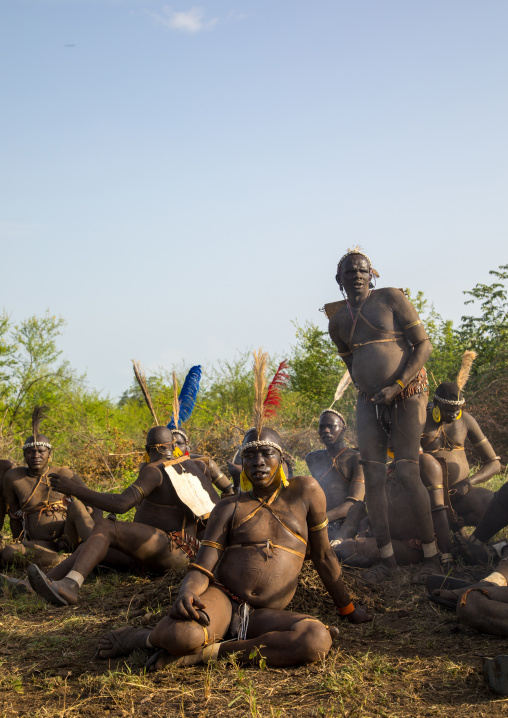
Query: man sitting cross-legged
x=43 y=521
x=246 y=573
x=170 y=494
x=338 y=471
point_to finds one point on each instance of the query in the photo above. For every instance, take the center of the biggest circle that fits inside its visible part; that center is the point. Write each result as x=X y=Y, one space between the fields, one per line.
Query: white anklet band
x=148 y=644
x=386 y=551
x=499 y=547
x=76 y=577
x=496 y=578
x=429 y=549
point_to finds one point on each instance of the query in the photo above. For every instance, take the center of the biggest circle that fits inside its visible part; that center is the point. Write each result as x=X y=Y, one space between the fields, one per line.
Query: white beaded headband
x=182 y=433
x=332 y=411
x=33 y=444
x=355 y=250
x=449 y=402
x=257 y=444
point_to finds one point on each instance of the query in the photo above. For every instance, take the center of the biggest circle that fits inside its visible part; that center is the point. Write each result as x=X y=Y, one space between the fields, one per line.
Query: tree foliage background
x=103 y=438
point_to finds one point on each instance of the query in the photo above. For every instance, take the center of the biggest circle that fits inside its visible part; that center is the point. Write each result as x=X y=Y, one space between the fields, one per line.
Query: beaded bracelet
x=346 y=610
x=398 y=381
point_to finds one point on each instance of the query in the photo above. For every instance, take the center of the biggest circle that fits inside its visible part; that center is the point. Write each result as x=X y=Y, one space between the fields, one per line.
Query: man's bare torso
x=446 y=441
x=260 y=573
x=335 y=483
x=376 y=362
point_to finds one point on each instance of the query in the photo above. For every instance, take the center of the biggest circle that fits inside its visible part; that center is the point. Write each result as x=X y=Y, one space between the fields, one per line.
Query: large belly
x=456 y=463
x=264 y=578
x=378 y=365
x=46 y=527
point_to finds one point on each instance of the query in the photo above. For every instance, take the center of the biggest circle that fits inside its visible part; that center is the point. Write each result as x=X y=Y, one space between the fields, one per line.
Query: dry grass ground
x=412 y=660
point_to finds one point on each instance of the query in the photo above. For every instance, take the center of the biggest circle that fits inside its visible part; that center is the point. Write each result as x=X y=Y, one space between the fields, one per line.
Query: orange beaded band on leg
x=346 y=610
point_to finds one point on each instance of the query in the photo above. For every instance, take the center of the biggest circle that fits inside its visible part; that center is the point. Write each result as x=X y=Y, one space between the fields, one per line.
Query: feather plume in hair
x=273 y=398
x=141 y=379
x=176 y=403
x=343 y=384
x=187 y=397
x=38 y=414
x=260 y=361
x=465 y=368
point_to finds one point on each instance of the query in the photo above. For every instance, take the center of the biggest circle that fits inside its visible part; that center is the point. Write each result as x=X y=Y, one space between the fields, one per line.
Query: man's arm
x=9 y=491
x=407 y=319
x=356 y=491
x=491 y=464
x=198 y=579
x=323 y=556
x=149 y=478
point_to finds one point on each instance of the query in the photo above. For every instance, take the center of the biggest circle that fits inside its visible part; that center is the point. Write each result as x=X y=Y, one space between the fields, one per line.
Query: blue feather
x=188 y=395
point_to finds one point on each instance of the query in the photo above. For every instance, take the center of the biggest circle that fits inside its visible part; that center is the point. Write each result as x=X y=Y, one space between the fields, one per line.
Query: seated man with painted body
x=171 y=495
x=205 y=463
x=444 y=466
x=246 y=573
x=43 y=521
x=338 y=471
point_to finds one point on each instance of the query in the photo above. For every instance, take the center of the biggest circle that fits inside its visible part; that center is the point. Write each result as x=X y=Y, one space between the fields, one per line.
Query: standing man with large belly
x=384 y=345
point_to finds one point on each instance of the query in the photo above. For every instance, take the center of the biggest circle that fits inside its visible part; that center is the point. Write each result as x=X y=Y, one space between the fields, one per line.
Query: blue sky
x=179 y=181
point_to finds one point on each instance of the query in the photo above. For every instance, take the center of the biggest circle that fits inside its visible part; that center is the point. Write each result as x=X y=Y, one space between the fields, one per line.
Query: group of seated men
x=239 y=581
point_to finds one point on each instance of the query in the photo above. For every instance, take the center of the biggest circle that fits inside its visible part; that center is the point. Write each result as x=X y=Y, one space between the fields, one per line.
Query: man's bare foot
x=429 y=567
x=122 y=642
x=383 y=571
x=15 y=585
x=60 y=593
x=162 y=658
x=472 y=553
x=456 y=594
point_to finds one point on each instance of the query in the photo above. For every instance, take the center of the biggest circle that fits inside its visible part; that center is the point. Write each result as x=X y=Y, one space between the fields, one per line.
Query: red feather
x=273 y=398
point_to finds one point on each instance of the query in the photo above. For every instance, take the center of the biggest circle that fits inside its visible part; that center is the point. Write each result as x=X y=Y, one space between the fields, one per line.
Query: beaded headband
x=449 y=402
x=182 y=433
x=257 y=444
x=332 y=411
x=355 y=250
x=33 y=444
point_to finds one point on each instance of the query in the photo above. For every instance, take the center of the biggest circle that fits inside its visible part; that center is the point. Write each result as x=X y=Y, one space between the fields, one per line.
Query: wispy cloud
x=191 y=21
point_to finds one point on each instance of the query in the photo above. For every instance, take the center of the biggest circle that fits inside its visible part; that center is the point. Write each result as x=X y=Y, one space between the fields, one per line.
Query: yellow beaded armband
x=197 y=567
x=434 y=488
x=412 y=324
x=219 y=546
x=398 y=381
x=142 y=493
x=320 y=526
x=481 y=442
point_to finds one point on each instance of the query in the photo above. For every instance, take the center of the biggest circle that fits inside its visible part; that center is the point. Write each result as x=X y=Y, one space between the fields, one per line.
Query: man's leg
x=78 y=524
x=407 y=422
x=473 y=505
x=176 y=638
x=282 y=638
x=431 y=474
x=373 y=443
x=495 y=518
x=145 y=544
